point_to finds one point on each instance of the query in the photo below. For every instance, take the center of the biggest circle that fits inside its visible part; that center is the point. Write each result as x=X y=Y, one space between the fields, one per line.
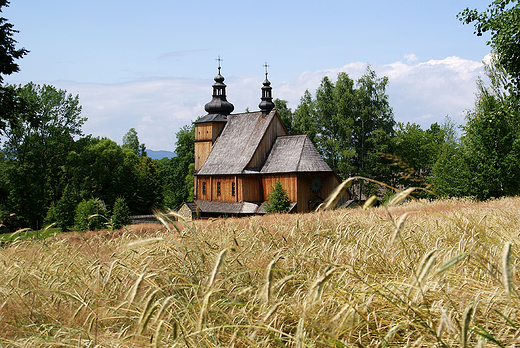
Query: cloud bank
x=419 y=92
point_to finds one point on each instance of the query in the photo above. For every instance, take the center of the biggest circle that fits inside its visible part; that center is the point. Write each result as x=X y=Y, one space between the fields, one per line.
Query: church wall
x=208 y=131
x=202 y=150
x=213 y=193
x=250 y=188
x=274 y=130
x=288 y=181
x=329 y=181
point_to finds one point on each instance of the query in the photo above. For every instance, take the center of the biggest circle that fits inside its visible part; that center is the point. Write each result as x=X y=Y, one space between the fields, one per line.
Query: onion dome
x=219 y=104
x=266 y=105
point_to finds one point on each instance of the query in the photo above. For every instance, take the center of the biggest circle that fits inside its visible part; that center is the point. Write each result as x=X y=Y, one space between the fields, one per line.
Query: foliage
x=490 y=146
x=417 y=150
x=65 y=209
x=176 y=173
x=8 y=51
x=11 y=106
x=350 y=123
x=131 y=141
x=89 y=215
x=36 y=152
x=120 y=214
x=502 y=21
x=278 y=199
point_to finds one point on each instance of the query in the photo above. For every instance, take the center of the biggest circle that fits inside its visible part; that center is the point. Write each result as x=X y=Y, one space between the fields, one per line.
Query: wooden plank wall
x=202 y=150
x=205 y=136
x=305 y=194
x=250 y=188
x=288 y=181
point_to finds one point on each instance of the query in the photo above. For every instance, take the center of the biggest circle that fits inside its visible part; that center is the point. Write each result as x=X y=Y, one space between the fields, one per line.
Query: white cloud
x=420 y=92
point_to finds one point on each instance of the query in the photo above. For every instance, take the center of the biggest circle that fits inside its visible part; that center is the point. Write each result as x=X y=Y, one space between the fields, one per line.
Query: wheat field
x=420 y=274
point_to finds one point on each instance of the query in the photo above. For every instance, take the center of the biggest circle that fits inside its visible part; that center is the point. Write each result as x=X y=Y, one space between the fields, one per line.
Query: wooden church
x=239 y=157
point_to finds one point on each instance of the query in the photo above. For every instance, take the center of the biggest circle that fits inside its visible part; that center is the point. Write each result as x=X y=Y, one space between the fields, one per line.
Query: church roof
x=237 y=144
x=212 y=118
x=294 y=153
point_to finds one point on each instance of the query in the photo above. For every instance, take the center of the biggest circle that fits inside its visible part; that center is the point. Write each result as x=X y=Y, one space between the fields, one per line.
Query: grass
x=27 y=233
x=422 y=274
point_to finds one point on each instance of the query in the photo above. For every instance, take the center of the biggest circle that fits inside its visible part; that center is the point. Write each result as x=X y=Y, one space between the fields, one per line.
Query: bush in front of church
x=278 y=200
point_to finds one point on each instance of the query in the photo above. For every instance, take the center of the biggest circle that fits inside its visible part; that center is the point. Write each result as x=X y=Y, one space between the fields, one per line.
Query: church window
x=203 y=187
x=232 y=189
x=218 y=188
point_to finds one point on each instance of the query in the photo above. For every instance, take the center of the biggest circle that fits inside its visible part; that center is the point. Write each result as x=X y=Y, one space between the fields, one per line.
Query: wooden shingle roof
x=237 y=144
x=294 y=153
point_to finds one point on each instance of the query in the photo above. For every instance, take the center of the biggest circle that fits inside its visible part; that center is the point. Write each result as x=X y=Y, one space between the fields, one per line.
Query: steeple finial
x=266 y=105
x=219 y=60
x=219 y=103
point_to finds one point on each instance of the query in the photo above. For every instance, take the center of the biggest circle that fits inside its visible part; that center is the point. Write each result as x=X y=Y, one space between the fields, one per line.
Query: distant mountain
x=160 y=154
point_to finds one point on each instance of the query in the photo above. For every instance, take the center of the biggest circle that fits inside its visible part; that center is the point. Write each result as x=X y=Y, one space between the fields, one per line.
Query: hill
x=436 y=273
x=160 y=154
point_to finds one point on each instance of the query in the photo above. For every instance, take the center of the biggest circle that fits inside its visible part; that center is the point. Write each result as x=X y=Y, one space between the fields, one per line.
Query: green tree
x=131 y=141
x=278 y=200
x=101 y=168
x=502 y=21
x=351 y=124
x=491 y=143
x=486 y=163
x=65 y=208
x=175 y=172
x=89 y=215
x=417 y=151
x=11 y=105
x=35 y=151
x=120 y=214
x=303 y=118
x=450 y=173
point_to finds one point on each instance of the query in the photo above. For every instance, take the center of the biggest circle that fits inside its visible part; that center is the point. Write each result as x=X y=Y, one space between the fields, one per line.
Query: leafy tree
x=351 y=124
x=502 y=20
x=65 y=208
x=416 y=152
x=303 y=118
x=491 y=143
x=450 y=173
x=176 y=171
x=101 y=168
x=486 y=163
x=131 y=141
x=89 y=215
x=278 y=200
x=8 y=51
x=36 y=151
x=120 y=214
x=10 y=104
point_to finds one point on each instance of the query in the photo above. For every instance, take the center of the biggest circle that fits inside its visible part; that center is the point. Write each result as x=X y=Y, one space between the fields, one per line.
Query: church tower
x=266 y=105
x=209 y=127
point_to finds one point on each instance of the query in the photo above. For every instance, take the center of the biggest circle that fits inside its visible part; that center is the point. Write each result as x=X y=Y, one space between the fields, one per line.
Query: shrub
x=64 y=211
x=278 y=200
x=120 y=213
x=87 y=214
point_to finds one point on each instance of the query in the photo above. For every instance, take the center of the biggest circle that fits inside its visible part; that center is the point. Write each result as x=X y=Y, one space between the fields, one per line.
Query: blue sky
x=150 y=65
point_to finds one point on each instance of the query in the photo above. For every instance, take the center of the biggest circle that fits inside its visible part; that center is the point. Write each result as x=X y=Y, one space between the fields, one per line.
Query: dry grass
x=330 y=279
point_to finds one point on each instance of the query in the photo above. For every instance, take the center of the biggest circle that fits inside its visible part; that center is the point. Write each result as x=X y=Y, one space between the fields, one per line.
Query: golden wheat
x=327 y=279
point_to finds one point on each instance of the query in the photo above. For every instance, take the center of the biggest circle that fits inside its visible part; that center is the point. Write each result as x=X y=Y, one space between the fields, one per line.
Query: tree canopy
x=502 y=20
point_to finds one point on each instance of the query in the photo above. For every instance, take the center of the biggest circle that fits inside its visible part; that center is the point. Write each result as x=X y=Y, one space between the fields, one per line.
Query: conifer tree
x=278 y=200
